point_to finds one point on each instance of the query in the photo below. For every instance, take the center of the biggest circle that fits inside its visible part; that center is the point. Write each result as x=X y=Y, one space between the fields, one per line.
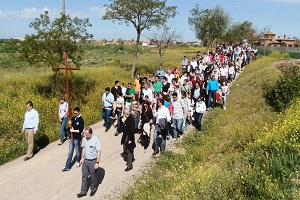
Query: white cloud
x=54 y=13
x=28 y=13
x=98 y=11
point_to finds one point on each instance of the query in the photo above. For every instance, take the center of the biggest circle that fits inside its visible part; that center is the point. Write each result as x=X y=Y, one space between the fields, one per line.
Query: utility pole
x=64 y=14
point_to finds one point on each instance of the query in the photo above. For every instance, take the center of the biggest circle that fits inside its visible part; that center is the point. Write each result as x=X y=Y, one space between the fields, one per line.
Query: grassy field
x=244 y=152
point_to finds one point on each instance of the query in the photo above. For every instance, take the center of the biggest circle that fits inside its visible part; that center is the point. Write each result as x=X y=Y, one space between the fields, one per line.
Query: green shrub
x=295 y=55
x=286 y=89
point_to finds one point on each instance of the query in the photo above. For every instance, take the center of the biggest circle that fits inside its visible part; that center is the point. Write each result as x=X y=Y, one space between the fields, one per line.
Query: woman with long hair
x=146 y=121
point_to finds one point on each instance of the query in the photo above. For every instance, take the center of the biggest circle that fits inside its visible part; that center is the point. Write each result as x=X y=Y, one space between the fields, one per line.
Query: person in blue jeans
x=63 y=118
x=178 y=115
x=76 y=130
x=211 y=90
x=161 y=127
x=107 y=101
x=200 y=108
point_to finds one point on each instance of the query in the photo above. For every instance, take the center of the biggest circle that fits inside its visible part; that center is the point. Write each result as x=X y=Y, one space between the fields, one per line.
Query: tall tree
x=199 y=22
x=209 y=24
x=142 y=14
x=164 y=39
x=239 y=31
x=52 y=38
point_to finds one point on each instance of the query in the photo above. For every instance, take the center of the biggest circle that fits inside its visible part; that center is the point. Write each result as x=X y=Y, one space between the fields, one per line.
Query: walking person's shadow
x=100 y=173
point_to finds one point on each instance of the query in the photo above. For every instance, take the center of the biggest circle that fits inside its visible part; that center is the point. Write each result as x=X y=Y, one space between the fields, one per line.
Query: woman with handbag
x=146 y=121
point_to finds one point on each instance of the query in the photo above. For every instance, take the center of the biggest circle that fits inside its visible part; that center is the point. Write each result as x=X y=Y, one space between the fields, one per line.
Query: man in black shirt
x=165 y=86
x=116 y=89
x=76 y=130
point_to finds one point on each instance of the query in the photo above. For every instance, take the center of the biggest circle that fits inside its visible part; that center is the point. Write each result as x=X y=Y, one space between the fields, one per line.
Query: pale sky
x=282 y=16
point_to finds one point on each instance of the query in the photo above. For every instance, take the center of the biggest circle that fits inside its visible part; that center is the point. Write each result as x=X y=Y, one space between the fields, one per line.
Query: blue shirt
x=212 y=85
x=31 y=119
x=107 y=104
x=91 y=147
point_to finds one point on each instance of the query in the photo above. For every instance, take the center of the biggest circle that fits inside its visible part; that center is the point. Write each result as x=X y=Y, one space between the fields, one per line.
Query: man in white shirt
x=161 y=127
x=223 y=74
x=147 y=92
x=201 y=66
x=30 y=127
x=194 y=64
x=169 y=76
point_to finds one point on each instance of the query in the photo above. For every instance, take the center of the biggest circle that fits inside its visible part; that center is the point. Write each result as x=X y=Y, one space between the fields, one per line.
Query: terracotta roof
x=269 y=33
x=275 y=42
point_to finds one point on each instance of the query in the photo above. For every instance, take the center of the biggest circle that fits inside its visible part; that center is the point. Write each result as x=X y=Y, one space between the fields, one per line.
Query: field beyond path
x=41 y=177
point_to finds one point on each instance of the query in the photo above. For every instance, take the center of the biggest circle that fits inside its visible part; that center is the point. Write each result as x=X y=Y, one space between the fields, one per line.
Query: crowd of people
x=167 y=102
x=164 y=104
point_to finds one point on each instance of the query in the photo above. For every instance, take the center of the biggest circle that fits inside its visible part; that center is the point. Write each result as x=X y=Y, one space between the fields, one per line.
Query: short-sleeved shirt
x=107 y=104
x=129 y=92
x=157 y=86
x=91 y=147
x=137 y=85
x=178 y=107
x=62 y=109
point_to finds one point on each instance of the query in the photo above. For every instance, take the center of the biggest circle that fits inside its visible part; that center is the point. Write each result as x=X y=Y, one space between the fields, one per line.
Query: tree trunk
x=53 y=91
x=135 y=52
x=161 y=56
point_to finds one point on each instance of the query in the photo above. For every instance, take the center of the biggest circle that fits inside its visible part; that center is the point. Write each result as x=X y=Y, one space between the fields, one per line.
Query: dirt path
x=41 y=177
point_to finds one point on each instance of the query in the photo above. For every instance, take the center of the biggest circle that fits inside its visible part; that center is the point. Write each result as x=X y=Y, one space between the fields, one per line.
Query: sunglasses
x=76 y=113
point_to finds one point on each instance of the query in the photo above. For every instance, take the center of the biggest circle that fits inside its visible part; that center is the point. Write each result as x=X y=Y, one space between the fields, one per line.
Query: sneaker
x=180 y=137
x=65 y=169
x=207 y=109
x=78 y=165
x=224 y=108
x=174 y=139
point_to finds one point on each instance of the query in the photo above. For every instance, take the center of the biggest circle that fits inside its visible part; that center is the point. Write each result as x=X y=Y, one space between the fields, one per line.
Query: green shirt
x=157 y=86
x=129 y=92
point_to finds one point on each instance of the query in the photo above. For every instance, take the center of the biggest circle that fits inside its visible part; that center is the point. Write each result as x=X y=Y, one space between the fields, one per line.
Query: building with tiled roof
x=270 y=40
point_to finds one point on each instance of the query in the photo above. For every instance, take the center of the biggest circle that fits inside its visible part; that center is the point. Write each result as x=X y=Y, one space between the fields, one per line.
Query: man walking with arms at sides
x=30 y=127
x=76 y=130
x=161 y=127
x=157 y=86
x=107 y=101
x=178 y=115
x=211 y=90
x=91 y=152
